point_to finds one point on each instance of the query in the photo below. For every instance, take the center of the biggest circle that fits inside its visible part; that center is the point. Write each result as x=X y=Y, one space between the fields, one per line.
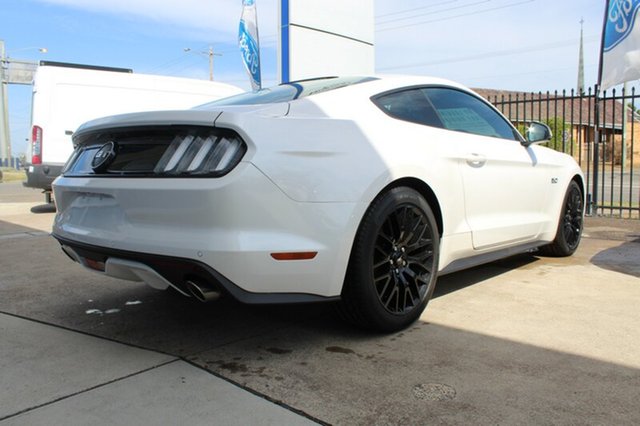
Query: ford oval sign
x=103 y=158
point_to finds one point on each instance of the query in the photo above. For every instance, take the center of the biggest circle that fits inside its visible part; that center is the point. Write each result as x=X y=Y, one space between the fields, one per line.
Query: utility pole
x=5 y=143
x=209 y=53
x=210 y=63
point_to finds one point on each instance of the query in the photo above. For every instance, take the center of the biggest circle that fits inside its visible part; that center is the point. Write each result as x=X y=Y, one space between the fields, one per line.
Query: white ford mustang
x=360 y=190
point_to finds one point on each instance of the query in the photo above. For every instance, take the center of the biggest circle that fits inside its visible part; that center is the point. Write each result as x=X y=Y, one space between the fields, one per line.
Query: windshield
x=288 y=91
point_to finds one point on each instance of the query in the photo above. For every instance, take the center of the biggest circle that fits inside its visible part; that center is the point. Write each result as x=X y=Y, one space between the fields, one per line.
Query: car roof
x=328 y=86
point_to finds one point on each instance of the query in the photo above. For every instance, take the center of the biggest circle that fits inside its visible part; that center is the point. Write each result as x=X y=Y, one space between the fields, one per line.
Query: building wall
x=320 y=38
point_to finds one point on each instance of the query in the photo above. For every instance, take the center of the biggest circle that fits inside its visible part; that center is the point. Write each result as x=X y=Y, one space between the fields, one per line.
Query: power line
x=173 y=62
x=477 y=12
x=547 y=71
x=185 y=61
x=494 y=54
x=435 y=12
x=415 y=8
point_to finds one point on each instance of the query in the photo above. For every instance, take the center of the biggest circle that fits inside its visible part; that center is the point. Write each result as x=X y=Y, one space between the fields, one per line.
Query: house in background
x=572 y=120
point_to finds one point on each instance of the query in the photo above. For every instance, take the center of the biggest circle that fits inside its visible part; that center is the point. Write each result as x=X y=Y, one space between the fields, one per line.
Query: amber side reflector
x=302 y=255
x=94 y=264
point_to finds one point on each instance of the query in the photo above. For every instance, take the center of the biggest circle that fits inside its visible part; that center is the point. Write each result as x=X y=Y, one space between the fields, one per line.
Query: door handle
x=476 y=160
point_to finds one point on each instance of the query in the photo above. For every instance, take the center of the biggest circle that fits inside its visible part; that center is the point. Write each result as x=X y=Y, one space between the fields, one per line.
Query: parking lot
x=523 y=340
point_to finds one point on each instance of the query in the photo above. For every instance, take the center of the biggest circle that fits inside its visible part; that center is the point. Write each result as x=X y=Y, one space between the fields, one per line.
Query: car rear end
x=174 y=200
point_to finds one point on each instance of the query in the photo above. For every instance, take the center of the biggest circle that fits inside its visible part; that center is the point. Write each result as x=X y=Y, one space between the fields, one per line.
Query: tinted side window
x=462 y=112
x=409 y=105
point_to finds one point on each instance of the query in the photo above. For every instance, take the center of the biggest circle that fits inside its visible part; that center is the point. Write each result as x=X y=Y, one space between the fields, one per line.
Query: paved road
x=617 y=188
x=524 y=340
x=14 y=192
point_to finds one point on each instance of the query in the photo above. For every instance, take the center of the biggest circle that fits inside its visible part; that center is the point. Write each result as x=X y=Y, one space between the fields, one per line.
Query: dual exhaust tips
x=202 y=292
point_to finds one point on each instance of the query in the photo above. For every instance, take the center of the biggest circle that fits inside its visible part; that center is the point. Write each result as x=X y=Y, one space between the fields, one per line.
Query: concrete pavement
x=524 y=340
x=54 y=376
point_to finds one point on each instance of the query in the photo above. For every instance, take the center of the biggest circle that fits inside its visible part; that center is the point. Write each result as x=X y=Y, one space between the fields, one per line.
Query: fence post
x=593 y=208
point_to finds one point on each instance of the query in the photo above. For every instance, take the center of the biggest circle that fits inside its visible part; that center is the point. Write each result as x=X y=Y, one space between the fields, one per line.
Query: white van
x=67 y=95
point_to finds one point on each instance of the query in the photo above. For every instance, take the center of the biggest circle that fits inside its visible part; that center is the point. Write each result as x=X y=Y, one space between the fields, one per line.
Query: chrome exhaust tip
x=202 y=292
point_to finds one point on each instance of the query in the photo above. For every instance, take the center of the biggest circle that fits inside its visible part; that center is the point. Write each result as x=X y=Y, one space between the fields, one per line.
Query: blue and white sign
x=621 y=43
x=248 y=42
x=620 y=21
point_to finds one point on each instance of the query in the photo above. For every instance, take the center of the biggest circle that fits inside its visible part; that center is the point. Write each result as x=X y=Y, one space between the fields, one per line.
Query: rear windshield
x=288 y=91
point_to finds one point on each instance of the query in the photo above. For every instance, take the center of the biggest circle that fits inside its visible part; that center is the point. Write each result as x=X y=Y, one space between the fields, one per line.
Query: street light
x=39 y=49
x=210 y=54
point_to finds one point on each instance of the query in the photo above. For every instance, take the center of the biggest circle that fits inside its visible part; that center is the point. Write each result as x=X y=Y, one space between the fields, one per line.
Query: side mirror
x=537 y=133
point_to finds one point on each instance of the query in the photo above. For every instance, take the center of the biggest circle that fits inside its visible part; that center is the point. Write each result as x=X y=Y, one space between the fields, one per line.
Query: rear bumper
x=229 y=228
x=41 y=176
x=162 y=272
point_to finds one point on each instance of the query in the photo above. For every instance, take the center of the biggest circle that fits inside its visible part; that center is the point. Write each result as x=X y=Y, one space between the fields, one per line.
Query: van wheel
x=393 y=266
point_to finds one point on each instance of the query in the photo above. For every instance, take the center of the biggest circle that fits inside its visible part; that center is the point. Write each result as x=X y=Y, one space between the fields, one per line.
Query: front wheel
x=393 y=266
x=570 y=224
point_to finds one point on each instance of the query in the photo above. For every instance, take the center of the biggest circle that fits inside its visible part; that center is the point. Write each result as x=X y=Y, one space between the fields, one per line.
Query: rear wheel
x=570 y=224
x=393 y=266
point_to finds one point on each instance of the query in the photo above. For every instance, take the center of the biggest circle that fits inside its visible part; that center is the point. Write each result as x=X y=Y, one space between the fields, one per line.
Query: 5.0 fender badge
x=103 y=157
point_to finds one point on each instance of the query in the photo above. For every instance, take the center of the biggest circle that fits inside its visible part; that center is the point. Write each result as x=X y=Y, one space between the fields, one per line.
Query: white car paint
x=311 y=170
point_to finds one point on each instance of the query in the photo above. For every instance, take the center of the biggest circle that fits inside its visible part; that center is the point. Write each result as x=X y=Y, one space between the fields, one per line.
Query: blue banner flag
x=620 y=60
x=248 y=42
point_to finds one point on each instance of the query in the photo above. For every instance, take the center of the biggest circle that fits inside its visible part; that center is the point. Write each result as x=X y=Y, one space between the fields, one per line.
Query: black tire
x=393 y=266
x=569 y=225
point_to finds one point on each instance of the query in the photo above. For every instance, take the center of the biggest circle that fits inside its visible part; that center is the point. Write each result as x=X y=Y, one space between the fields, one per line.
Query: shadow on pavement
x=53 y=289
x=624 y=258
x=460 y=280
x=428 y=374
x=10 y=230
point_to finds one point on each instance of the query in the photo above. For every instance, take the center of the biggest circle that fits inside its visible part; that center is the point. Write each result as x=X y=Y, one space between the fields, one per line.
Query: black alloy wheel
x=401 y=260
x=570 y=225
x=393 y=266
x=572 y=218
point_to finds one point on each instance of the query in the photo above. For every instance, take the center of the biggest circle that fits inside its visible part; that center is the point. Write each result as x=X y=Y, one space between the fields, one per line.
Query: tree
x=559 y=129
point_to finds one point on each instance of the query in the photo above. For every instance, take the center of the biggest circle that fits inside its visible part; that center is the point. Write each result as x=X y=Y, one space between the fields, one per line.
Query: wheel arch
x=580 y=181
x=423 y=189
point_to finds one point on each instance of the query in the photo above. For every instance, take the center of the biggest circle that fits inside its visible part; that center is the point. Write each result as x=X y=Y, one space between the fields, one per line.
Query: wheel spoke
x=386 y=284
x=387 y=237
x=397 y=231
x=421 y=258
x=414 y=283
x=412 y=226
x=383 y=261
x=406 y=302
x=419 y=245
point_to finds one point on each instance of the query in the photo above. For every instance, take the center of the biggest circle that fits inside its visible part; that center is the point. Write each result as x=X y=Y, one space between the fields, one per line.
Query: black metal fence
x=611 y=166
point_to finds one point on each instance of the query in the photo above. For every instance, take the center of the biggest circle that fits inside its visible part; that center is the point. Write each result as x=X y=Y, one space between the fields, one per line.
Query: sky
x=525 y=45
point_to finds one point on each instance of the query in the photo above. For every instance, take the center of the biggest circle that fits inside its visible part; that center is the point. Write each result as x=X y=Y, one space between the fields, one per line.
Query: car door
x=505 y=187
